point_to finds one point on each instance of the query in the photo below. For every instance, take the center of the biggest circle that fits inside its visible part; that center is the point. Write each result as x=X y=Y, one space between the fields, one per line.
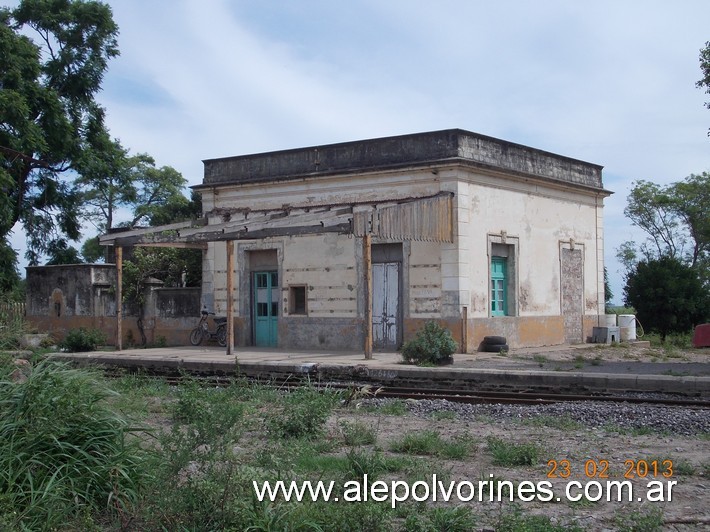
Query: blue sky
x=609 y=82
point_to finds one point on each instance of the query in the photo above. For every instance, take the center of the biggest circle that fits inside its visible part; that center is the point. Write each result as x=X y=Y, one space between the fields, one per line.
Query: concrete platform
x=479 y=371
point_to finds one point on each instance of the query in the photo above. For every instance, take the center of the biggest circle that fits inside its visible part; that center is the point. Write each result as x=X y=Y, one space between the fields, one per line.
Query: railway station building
x=329 y=245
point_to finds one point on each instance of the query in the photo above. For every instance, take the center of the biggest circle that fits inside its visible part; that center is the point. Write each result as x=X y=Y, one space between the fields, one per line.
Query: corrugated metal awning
x=424 y=219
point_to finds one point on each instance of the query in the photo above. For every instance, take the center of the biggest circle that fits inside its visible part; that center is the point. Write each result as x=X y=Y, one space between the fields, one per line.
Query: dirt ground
x=688 y=507
x=621 y=358
x=687 y=510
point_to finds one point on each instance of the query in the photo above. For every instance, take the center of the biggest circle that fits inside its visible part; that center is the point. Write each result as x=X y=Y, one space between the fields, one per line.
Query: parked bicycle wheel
x=222 y=335
x=196 y=336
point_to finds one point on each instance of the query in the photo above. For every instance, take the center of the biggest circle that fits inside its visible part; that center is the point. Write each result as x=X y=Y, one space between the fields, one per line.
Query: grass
x=390 y=407
x=374 y=464
x=540 y=359
x=430 y=443
x=357 y=433
x=631 y=431
x=454 y=519
x=511 y=454
x=444 y=415
x=64 y=455
x=647 y=520
x=564 y=422
x=680 y=467
x=302 y=413
x=515 y=520
x=195 y=470
x=673 y=341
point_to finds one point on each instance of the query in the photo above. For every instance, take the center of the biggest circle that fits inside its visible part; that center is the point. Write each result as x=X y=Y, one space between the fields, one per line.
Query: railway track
x=466 y=396
x=359 y=390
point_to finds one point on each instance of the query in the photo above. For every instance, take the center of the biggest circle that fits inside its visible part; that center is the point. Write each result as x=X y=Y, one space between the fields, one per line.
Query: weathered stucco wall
x=537 y=222
x=415 y=150
x=71 y=290
x=534 y=202
x=66 y=297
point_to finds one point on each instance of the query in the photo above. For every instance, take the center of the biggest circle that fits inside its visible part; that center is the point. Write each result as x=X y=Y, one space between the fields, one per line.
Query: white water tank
x=607 y=320
x=627 y=324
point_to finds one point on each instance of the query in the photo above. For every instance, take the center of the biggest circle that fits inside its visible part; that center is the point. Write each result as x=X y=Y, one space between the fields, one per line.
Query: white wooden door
x=385 y=305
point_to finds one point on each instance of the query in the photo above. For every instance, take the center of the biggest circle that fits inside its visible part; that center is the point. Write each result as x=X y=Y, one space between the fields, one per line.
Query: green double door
x=266 y=308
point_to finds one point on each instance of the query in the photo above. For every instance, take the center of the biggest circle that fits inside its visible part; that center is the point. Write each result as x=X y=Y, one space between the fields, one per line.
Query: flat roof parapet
x=436 y=148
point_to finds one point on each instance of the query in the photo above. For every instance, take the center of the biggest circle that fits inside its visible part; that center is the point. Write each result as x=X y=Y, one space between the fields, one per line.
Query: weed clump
x=513 y=454
x=64 y=455
x=433 y=345
x=82 y=339
x=303 y=413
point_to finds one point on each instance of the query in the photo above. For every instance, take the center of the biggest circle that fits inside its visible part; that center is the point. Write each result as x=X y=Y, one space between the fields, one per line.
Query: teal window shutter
x=499 y=284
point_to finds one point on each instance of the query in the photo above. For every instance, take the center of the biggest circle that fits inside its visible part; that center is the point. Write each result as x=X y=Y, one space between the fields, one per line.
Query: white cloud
x=608 y=82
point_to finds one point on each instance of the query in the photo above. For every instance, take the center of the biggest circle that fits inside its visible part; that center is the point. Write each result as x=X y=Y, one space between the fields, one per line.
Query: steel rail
x=458 y=396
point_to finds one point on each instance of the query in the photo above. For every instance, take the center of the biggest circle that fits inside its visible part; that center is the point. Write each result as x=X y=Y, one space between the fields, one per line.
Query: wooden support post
x=464 y=330
x=230 y=290
x=367 y=261
x=119 y=298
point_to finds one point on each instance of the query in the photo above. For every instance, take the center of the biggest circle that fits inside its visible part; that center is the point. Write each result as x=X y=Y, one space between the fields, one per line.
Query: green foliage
x=608 y=293
x=63 y=454
x=166 y=264
x=111 y=178
x=675 y=219
x=672 y=341
x=50 y=116
x=513 y=454
x=302 y=413
x=456 y=519
x=373 y=465
x=517 y=521
x=9 y=276
x=433 y=344
x=198 y=482
x=91 y=251
x=12 y=327
x=81 y=339
x=357 y=433
x=177 y=208
x=337 y=517
x=430 y=442
x=60 y=252
x=704 y=82
x=668 y=296
x=388 y=407
x=647 y=520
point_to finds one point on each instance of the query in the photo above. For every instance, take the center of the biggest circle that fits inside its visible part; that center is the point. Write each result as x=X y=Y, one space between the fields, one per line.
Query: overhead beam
x=148 y=240
x=109 y=238
x=180 y=245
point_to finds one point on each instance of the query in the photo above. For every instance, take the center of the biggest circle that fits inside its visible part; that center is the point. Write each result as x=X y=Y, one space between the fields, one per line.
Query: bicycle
x=202 y=331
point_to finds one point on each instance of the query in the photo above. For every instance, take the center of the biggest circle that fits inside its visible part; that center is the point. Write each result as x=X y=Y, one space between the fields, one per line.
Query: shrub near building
x=668 y=296
x=433 y=345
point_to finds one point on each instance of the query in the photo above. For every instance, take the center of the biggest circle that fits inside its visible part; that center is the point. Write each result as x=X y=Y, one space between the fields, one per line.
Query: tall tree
x=9 y=277
x=705 y=69
x=105 y=183
x=155 y=188
x=691 y=198
x=668 y=295
x=113 y=179
x=48 y=112
x=675 y=219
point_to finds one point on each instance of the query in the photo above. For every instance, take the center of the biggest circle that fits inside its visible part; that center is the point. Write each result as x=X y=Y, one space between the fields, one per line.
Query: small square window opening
x=297 y=300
